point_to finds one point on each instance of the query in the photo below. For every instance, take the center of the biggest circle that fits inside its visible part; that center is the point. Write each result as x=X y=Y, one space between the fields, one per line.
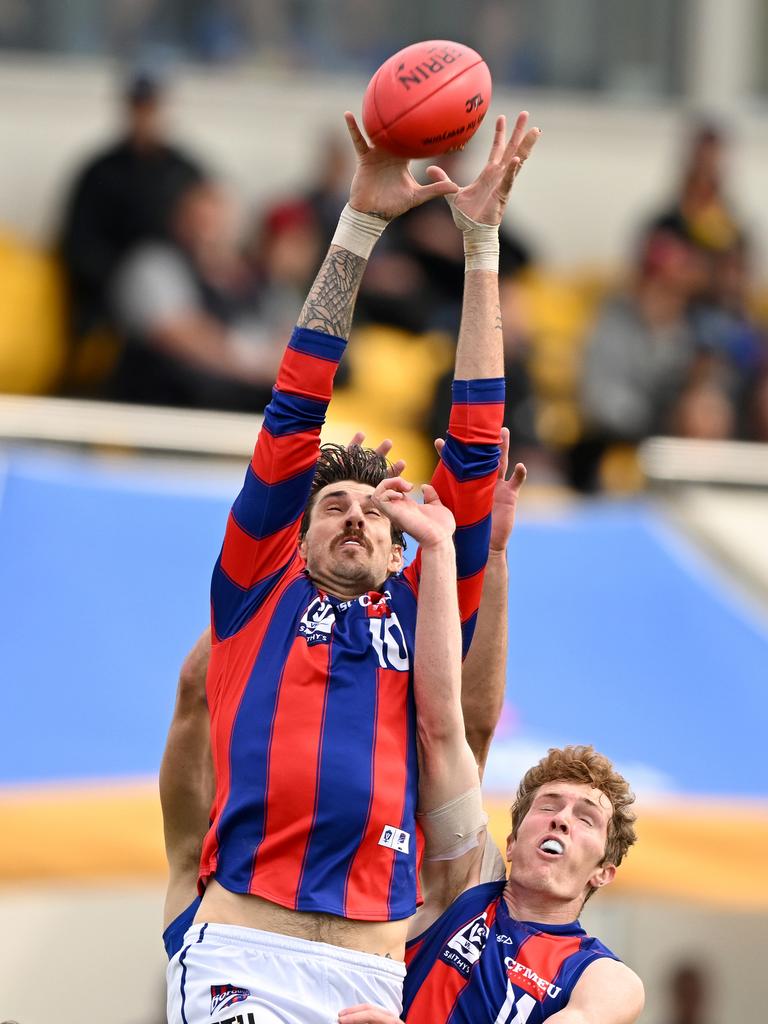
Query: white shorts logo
x=395 y=839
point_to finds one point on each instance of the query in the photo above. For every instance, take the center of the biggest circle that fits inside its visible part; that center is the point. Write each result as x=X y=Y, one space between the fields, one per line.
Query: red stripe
x=247 y=560
x=437 y=996
x=295 y=744
x=544 y=955
x=279 y=458
x=370 y=871
x=469 y=500
x=233 y=662
x=470 y=590
x=306 y=375
x=477 y=423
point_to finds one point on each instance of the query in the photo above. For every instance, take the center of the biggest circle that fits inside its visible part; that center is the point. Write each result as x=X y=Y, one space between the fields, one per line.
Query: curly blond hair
x=583 y=764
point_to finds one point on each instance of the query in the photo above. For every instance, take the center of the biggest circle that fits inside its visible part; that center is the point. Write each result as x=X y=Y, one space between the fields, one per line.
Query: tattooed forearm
x=331 y=301
x=497 y=321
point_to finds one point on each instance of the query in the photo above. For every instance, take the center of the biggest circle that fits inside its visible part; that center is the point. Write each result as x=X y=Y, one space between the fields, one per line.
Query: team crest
x=464 y=948
x=317 y=622
x=226 y=995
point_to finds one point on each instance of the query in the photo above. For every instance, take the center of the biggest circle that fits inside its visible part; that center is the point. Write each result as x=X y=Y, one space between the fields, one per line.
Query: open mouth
x=552 y=846
x=352 y=542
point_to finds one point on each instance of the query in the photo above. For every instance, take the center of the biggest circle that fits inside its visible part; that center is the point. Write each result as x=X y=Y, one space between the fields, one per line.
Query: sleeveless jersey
x=312 y=714
x=477 y=965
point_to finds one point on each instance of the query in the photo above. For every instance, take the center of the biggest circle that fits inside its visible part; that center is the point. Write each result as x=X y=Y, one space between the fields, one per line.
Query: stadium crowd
x=160 y=288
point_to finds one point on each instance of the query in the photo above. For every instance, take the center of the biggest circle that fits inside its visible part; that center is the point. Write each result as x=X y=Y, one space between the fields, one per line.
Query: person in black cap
x=119 y=198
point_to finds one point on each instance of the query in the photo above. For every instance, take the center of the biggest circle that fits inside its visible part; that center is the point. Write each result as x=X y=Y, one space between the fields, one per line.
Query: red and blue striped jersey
x=478 y=965
x=312 y=712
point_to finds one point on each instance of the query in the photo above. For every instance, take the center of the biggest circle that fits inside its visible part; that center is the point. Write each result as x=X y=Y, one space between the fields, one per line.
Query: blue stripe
x=487 y=391
x=262 y=509
x=233 y=606
x=292 y=414
x=467 y=632
x=183 y=965
x=315 y=343
x=345 y=765
x=241 y=825
x=470 y=461
x=402 y=885
x=472 y=544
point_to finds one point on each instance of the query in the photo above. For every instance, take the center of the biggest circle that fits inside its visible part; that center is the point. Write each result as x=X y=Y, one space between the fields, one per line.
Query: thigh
x=220 y=984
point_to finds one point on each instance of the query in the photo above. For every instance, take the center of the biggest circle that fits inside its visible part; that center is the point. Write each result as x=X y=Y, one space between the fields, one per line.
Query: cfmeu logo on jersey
x=464 y=948
x=317 y=622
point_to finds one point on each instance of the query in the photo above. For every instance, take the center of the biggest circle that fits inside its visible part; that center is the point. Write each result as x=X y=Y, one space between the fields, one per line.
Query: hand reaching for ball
x=383 y=184
x=485 y=199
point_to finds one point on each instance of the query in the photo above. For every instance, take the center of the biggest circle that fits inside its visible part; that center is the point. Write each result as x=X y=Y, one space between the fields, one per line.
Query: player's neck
x=345 y=590
x=528 y=905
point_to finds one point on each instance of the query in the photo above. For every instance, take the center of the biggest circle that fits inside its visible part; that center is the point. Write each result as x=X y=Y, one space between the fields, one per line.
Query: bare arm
x=608 y=992
x=186 y=780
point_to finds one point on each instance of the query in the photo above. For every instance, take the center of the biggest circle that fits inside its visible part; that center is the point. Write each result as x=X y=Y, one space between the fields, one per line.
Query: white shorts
x=228 y=975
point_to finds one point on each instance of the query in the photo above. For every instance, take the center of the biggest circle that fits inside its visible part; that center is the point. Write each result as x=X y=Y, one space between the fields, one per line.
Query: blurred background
x=171 y=173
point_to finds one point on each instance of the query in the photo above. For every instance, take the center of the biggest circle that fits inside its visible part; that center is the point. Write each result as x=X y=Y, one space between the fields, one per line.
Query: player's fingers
x=430 y=495
x=357 y=440
x=439 y=445
x=397 y=468
x=438 y=188
x=437 y=173
x=384 y=447
x=518 y=133
x=358 y=140
x=510 y=173
x=518 y=476
x=504 y=458
x=497 y=145
x=525 y=148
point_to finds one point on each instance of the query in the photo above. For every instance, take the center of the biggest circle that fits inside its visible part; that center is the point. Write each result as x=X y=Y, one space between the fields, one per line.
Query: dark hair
x=337 y=462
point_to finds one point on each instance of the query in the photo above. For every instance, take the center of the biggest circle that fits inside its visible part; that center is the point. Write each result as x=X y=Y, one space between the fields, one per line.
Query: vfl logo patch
x=317 y=622
x=226 y=995
x=395 y=839
x=464 y=949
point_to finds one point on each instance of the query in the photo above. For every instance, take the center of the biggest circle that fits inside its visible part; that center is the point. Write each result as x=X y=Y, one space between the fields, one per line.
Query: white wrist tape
x=358 y=232
x=452 y=830
x=481 y=241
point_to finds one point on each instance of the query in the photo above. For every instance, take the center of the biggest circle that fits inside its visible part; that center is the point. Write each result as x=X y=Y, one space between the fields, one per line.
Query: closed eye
x=588 y=821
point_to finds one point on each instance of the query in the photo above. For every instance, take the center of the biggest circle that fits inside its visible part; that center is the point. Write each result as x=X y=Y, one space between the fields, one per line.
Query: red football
x=427 y=99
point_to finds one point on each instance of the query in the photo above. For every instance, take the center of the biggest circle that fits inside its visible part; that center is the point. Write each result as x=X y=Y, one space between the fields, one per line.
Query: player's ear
x=303 y=546
x=395 y=558
x=604 y=875
x=510 y=841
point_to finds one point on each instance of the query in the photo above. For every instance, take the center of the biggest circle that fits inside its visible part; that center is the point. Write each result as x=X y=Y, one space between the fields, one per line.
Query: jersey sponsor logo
x=226 y=995
x=464 y=948
x=395 y=839
x=528 y=980
x=317 y=622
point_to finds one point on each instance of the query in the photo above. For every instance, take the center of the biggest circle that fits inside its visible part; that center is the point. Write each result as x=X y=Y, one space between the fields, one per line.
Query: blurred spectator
x=328 y=194
x=640 y=358
x=120 y=198
x=702 y=212
x=688 y=995
x=185 y=311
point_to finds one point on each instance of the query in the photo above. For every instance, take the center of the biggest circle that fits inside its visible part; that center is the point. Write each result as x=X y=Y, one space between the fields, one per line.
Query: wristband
x=358 y=232
x=481 y=241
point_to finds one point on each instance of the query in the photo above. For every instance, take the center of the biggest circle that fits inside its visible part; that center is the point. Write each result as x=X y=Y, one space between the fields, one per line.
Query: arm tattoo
x=331 y=300
x=498 y=324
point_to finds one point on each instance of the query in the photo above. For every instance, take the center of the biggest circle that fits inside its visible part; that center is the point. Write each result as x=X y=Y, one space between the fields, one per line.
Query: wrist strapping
x=358 y=232
x=454 y=829
x=481 y=241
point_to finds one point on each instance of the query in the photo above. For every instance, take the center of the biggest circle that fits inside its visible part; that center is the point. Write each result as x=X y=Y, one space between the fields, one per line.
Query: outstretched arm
x=186 y=780
x=466 y=474
x=483 y=677
x=262 y=532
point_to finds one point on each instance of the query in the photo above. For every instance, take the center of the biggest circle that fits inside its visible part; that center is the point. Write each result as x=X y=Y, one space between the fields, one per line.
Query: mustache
x=357 y=535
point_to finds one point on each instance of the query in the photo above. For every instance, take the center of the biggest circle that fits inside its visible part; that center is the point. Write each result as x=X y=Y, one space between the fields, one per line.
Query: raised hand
x=383 y=184
x=383 y=448
x=430 y=524
x=485 y=199
x=505 y=495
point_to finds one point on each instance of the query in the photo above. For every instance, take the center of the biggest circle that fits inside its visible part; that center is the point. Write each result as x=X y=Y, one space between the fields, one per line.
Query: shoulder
x=461 y=910
x=608 y=992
